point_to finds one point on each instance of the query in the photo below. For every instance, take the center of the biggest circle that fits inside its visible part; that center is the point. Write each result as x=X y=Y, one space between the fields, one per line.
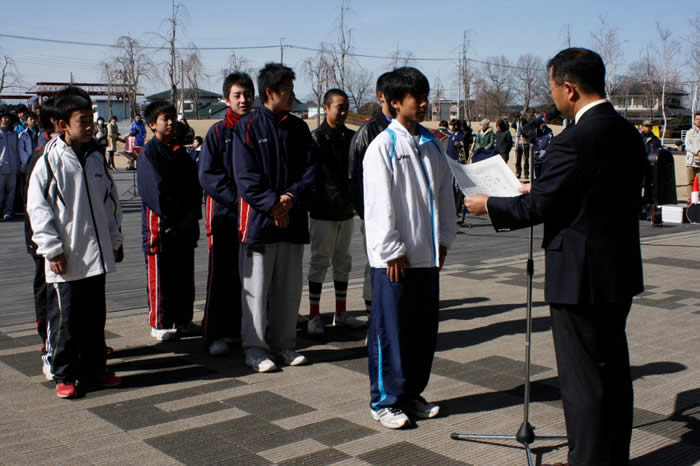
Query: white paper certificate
x=491 y=177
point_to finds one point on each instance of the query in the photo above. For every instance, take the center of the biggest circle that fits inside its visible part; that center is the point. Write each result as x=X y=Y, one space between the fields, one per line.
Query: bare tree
x=111 y=75
x=645 y=75
x=668 y=50
x=609 y=46
x=134 y=63
x=466 y=75
x=528 y=75
x=236 y=63
x=498 y=89
x=342 y=49
x=319 y=70
x=9 y=75
x=170 y=43
x=438 y=96
x=358 y=85
x=401 y=58
x=193 y=70
x=566 y=34
x=694 y=42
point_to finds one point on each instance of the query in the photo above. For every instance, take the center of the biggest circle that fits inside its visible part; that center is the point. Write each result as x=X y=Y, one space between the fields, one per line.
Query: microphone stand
x=526 y=433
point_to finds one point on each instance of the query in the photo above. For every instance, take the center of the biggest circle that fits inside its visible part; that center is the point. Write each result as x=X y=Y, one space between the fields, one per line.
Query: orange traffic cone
x=695 y=194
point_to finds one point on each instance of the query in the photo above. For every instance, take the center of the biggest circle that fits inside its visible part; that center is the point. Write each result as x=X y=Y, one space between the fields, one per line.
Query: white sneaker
x=165 y=334
x=315 y=326
x=189 y=329
x=347 y=320
x=292 y=358
x=258 y=360
x=391 y=418
x=220 y=347
x=420 y=408
x=46 y=368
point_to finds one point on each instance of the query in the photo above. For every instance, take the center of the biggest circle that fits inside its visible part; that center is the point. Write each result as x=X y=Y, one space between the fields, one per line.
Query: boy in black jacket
x=331 y=213
x=358 y=146
x=275 y=173
x=171 y=195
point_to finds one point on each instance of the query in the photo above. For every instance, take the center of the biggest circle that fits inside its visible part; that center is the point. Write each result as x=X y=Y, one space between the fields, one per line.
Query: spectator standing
x=140 y=128
x=112 y=138
x=455 y=144
x=522 y=148
x=171 y=207
x=101 y=136
x=331 y=213
x=221 y=324
x=692 y=149
x=504 y=140
x=9 y=165
x=486 y=138
x=274 y=171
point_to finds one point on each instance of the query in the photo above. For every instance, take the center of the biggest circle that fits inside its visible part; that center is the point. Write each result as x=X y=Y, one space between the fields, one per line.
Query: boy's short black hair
x=330 y=93
x=271 y=76
x=580 y=66
x=71 y=99
x=47 y=111
x=134 y=132
x=113 y=117
x=242 y=79
x=30 y=115
x=443 y=124
x=100 y=118
x=21 y=108
x=403 y=81
x=381 y=80
x=199 y=139
x=158 y=107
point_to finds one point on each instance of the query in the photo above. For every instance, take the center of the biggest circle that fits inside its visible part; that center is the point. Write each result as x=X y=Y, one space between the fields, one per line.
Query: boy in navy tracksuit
x=409 y=217
x=222 y=311
x=274 y=172
x=171 y=207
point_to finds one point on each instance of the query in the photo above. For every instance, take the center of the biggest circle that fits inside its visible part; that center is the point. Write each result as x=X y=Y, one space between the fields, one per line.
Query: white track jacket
x=409 y=204
x=74 y=210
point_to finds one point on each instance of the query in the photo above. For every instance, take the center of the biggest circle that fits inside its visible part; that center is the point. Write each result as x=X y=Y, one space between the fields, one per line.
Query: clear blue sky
x=427 y=29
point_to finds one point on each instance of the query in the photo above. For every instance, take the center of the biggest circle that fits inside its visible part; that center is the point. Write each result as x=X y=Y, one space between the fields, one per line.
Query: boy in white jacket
x=409 y=219
x=73 y=208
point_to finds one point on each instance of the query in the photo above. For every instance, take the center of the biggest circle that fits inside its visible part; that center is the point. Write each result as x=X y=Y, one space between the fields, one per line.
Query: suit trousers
x=402 y=335
x=596 y=385
x=222 y=311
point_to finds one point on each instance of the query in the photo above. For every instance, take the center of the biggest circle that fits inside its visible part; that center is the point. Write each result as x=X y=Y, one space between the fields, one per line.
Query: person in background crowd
x=455 y=144
x=504 y=140
x=651 y=142
x=9 y=165
x=196 y=148
x=140 y=128
x=112 y=138
x=692 y=149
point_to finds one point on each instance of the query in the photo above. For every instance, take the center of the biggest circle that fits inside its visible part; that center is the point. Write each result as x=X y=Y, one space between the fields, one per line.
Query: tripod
x=133 y=191
x=526 y=433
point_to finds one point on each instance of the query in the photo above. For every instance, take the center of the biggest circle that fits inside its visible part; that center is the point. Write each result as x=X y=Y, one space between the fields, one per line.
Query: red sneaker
x=66 y=390
x=109 y=380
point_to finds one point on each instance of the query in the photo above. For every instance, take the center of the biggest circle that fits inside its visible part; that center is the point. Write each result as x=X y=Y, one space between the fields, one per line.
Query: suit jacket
x=588 y=197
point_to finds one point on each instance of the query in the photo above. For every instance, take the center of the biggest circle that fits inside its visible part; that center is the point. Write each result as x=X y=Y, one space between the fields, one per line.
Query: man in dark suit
x=588 y=197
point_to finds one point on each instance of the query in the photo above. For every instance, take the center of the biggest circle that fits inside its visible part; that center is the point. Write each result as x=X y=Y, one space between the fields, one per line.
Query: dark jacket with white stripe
x=273 y=157
x=171 y=197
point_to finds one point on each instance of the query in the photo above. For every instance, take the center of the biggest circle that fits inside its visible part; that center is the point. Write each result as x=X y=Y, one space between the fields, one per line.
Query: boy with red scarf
x=222 y=313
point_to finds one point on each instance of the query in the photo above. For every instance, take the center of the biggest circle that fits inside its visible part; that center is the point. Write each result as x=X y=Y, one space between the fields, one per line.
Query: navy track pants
x=403 y=329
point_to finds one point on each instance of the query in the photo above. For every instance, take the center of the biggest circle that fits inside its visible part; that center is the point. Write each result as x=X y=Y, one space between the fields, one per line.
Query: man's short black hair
x=381 y=80
x=330 y=93
x=696 y=114
x=579 y=66
x=240 y=78
x=71 y=99
x=271 y=76
x=21 y=108
x=47 y=111
x=158 y=107
x=403 y=81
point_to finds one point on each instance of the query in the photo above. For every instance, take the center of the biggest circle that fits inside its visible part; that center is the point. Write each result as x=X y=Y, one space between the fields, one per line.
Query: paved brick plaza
x=179 y=405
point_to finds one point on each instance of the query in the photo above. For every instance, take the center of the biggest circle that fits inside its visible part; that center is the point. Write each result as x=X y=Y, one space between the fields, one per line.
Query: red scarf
x=231 y=118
